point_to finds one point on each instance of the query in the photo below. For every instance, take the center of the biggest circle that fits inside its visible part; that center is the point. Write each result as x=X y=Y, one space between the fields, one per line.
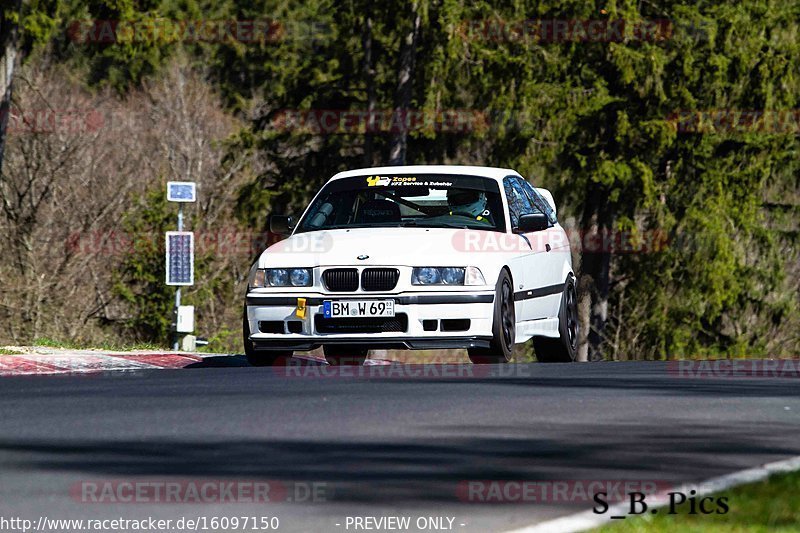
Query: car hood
x=380 y=246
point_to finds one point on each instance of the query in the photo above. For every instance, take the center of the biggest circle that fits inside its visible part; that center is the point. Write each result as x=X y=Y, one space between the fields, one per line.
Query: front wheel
x=565 y=347
x=345 y=354
x=503 y=326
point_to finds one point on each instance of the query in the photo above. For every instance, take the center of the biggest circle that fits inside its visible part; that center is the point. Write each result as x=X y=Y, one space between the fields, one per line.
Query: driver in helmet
x=469 y=203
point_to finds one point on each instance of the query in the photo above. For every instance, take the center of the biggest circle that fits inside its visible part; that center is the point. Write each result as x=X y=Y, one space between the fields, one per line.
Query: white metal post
x=176 y=342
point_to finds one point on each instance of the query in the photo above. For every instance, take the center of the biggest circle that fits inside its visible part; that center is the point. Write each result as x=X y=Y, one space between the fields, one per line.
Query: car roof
x=486 y=172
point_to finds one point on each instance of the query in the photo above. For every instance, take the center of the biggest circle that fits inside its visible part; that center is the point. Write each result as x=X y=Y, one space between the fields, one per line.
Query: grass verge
x=108 y=346
x=772 y=505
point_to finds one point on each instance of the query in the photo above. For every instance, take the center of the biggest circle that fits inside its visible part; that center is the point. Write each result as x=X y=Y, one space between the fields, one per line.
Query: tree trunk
x=8 y=46
x=369 y=81
x=584 y=317
x=596 y=264
x=408 y=52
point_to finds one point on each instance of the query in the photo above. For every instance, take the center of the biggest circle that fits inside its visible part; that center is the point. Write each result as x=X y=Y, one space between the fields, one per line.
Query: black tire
x=261 y=357
x=345 y=354
x=503 y=326
x=565 y=348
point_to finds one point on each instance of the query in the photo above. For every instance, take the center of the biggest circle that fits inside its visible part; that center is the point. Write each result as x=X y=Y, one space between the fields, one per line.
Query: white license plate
x=357 y=308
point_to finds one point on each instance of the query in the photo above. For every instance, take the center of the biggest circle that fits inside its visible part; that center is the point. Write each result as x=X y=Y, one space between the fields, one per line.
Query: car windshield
x=435 y=201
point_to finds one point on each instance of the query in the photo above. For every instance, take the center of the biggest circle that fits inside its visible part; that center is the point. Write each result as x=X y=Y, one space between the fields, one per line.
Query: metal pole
x=177 y=305
x=178 y=289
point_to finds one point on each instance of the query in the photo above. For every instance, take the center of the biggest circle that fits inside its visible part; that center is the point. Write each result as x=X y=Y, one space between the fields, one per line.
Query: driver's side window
x=541 y=204
x=518 y=203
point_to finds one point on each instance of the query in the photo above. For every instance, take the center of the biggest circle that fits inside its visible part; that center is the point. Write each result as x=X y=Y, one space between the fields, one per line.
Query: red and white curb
x=48 y=361
x=87 y=361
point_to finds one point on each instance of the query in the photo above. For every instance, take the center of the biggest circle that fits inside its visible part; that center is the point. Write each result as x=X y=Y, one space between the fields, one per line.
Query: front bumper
x=462 y=320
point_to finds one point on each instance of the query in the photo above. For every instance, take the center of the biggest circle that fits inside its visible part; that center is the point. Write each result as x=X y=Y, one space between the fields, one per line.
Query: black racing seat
x=378 y=211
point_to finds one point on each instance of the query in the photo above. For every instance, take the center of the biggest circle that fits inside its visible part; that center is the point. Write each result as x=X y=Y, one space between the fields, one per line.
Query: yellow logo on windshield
x=374 y=181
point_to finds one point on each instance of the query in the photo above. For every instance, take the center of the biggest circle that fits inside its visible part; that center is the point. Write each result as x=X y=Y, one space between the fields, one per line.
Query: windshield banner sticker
x=386 y=181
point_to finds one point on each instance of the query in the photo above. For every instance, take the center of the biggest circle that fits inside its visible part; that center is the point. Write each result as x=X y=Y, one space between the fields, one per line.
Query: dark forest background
x=670 y=128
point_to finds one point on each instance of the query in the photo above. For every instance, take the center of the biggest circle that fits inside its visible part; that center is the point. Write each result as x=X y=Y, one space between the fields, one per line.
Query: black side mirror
x=533 y=222
x=281 y=224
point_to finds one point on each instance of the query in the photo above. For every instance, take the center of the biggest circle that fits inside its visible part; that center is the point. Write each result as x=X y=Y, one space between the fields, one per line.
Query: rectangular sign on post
x=181 y=191
x=180 y=258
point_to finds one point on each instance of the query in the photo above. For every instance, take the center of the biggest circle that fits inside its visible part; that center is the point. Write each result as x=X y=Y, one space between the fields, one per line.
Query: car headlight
x=447 y=276
x=452 y=276
x=426 y=276
x=280 y=277
x=300 y=277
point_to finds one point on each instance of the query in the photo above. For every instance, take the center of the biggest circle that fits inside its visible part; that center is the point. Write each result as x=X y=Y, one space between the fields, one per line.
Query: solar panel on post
x=181 y=191
x=180 y=258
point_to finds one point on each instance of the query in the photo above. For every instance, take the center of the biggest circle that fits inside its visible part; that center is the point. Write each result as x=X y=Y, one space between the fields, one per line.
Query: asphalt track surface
x=399 y=445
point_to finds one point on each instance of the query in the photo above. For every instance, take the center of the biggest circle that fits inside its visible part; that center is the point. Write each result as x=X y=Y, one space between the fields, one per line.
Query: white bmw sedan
x=416 y=257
